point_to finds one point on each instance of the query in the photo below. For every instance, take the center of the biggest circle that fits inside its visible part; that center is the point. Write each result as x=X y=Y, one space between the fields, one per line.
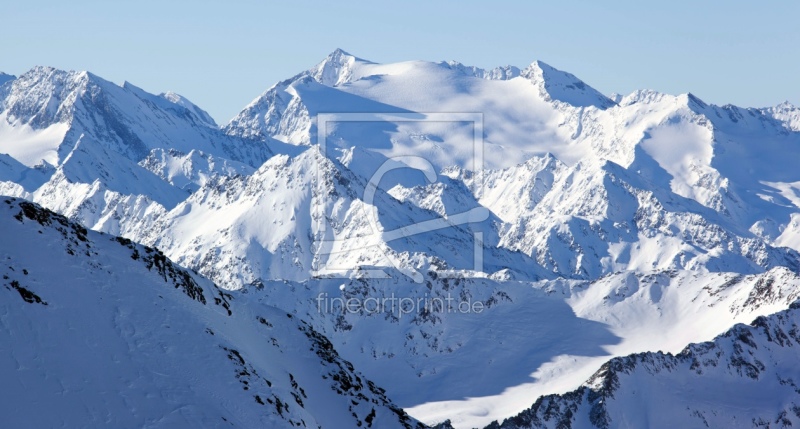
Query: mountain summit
x=565 y=87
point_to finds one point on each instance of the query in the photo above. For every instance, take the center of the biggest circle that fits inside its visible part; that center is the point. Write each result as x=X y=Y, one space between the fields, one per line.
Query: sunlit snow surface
x=28 y=146
x=639 y=224
x=100 y=332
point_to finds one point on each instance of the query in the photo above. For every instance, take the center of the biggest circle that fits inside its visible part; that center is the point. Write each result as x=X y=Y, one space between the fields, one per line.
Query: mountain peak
x=40 y=73
x=337 y=68
x=45 y=95
x=53 y=71
x=693 y=101
x=557 y=85
x=184 y=102
x=339 y=52
x=56 y=79
x=5 y=77
x=42 y=69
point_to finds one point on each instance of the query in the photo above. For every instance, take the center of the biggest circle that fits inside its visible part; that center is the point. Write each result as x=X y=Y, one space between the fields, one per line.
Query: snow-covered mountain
x=600 y=186
x=57 y=110
x=5 y=77
x=99 y=331
x=603 y=183
x=746 y=377
x=265 y=226
x=605 y=226
x=100 y=146
x=528 y=339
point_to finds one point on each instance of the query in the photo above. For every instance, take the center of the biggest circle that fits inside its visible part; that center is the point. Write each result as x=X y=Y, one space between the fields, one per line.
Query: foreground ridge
x=101 y=330
x=746 y=377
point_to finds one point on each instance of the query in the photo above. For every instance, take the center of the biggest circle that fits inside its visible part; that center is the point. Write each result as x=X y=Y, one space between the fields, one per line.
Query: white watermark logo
x=325 y=246
x=396 y=306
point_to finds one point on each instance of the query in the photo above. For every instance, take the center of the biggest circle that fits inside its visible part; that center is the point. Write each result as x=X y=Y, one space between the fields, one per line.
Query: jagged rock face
x=120 y=335
x=610 y=218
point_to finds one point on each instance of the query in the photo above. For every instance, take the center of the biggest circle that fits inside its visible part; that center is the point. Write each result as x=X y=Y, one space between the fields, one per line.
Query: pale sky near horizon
x=221 y=55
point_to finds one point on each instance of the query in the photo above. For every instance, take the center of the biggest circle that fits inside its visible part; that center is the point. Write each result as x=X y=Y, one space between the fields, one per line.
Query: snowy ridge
x=192 y=170
x=191 y=108
x=5 y=77
x=120 y=335
x=125 y=119
x=746 y=377
x=260 y=234
x=497 y=73
x=560 y=86
x=98 y=145
x=278 y=112
x=528 y=339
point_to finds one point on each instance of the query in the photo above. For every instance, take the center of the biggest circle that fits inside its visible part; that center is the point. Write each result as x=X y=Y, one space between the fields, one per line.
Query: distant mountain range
x=610 y=225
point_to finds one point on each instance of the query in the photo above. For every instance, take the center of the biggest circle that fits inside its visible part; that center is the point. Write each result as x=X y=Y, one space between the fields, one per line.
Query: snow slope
x=528 y=339
x=746 y=377
x=267 y=226
x=98 y=331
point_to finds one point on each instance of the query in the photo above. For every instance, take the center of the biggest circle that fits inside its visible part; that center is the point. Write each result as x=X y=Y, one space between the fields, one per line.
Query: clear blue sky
x=222 y=54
